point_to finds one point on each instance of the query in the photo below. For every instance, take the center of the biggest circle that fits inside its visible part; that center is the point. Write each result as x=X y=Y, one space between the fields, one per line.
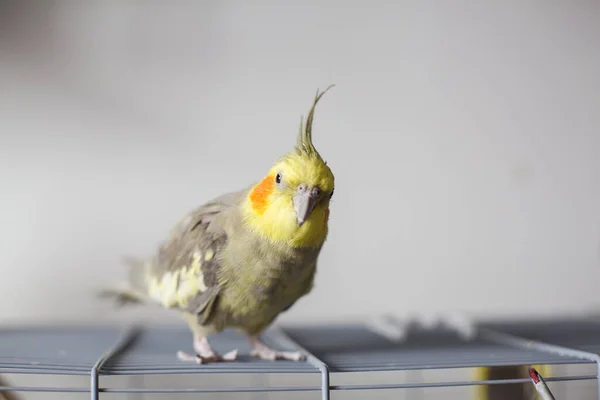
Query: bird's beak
x=304 y=203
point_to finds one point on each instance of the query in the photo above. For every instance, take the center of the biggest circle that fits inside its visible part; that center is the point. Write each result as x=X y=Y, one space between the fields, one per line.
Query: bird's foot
x=205 y=354
x=264 y=352
x=206 y=358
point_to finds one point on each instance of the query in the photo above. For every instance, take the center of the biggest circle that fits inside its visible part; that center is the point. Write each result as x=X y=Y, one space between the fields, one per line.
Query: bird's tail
x=136 y=288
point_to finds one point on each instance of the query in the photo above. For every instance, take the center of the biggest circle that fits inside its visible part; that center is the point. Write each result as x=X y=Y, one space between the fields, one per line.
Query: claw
x=264 y=352
x=205 y=354
x=185 y=357
x=230 y=356
x=278 y=355
x=200 y=359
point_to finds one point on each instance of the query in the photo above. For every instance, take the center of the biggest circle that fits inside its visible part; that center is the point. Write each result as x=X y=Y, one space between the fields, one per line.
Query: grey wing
x=198 y=230
x=184 y=272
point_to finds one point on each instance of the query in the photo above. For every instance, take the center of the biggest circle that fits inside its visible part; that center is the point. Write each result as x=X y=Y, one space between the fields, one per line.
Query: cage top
x=352 y=348
x=343 y=348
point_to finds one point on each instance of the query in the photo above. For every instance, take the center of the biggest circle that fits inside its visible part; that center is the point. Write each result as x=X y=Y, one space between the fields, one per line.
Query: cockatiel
x=244 y=257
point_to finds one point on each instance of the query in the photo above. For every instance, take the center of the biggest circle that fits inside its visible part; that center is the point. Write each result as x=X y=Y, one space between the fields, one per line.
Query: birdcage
x=355 y=358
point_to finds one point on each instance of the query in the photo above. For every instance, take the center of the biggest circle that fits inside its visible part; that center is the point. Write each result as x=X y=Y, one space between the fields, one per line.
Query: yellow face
x=291 y=204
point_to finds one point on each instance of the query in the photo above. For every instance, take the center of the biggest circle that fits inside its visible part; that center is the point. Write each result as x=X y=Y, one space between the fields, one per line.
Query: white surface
x=464 y=139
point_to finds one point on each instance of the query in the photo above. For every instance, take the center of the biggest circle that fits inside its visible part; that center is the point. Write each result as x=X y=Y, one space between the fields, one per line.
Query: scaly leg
x=264 y=352
x=204 y=353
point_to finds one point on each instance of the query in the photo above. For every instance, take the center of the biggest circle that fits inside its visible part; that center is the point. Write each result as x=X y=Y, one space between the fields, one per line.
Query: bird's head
x=291 y=203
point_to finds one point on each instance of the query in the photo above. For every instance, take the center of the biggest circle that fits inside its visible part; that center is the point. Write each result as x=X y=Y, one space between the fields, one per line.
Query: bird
x=242 y=258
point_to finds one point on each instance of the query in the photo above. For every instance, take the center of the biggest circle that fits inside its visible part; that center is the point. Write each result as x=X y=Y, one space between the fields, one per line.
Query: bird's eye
x=278 y=178
x=331 y=194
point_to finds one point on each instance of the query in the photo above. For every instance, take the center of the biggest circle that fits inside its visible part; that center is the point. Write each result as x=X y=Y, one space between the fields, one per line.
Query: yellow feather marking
x=191 y=280
x=209 y=254
x=196 y=271
x=195 y=268
x=154 y=289
x=187 y=287
x=165 y=289
x=197 y=256
x=179 y=286
x=169 y=285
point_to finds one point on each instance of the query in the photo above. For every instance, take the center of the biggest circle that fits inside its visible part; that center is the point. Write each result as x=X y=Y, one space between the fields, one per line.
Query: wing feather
x=184 y=272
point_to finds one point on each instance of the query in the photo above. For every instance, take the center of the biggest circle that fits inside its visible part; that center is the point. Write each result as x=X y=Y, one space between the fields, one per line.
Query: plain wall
x=463 y=136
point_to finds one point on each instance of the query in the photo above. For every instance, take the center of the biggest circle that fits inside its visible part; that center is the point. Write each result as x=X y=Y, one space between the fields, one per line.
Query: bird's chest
x=262 y=288
x=276 y=288
x=261 y=279
x=267 y=288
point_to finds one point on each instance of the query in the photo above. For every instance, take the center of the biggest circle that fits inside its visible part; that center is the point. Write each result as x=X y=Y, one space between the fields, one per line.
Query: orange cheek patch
x=326 y=216
x=259 y=197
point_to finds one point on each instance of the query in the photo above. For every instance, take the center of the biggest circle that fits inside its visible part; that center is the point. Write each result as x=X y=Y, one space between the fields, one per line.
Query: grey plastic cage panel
x=153 y=352
x=353 y=348
x=335 y=349
x=576 y=334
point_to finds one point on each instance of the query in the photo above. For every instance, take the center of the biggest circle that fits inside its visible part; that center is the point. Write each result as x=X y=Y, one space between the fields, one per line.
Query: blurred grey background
x=463 y=135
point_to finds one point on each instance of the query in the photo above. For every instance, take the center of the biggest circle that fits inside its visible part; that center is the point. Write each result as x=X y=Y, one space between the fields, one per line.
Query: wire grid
x=337 y=349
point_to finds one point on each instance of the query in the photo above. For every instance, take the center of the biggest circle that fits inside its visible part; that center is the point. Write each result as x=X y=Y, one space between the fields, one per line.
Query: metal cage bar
x=330 y=349
x=284 y=339
x=523 y=343
x=122 y=343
